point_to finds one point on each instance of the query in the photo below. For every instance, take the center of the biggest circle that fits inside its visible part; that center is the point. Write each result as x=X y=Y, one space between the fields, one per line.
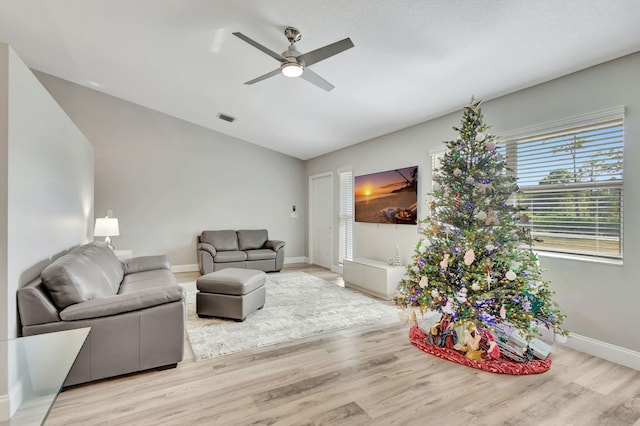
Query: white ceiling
x=413 y=59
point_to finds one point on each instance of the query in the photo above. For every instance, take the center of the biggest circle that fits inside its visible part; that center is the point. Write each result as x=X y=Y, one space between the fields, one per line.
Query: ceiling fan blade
x=322 y=53
x=265 y=76
x=258 y=46
x=314 y=78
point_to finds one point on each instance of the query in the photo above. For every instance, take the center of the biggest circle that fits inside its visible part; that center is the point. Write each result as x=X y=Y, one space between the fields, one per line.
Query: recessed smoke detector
x=226 y=117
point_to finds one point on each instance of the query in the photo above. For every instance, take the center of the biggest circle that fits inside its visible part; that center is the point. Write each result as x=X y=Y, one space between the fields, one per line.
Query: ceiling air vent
x=226 y=117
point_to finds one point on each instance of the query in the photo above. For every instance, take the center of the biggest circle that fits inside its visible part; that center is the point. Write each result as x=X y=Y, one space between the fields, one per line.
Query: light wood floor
x=351 y=377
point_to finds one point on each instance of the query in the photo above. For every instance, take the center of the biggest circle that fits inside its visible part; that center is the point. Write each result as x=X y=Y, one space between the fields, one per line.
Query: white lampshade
x=291 y=69
x=106 y=227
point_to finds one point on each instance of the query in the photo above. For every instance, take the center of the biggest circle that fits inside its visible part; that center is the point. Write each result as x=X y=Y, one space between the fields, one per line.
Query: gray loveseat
x=135 y=310
x=245 y=249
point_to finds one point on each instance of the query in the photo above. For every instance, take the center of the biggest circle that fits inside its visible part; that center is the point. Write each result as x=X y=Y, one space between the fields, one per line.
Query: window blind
x=571 y=186
x=345 y=237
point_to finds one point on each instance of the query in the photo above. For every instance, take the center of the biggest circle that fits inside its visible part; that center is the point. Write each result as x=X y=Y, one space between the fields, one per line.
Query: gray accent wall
x=167 y=180
x=46 y=193
x=600 y=299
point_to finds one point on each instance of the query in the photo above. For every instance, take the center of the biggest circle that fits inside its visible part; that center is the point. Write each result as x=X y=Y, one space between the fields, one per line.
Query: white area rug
x=297 y=305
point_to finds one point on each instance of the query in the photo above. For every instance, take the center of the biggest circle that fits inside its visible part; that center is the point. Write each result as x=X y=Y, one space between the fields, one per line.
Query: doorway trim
x=312 y=215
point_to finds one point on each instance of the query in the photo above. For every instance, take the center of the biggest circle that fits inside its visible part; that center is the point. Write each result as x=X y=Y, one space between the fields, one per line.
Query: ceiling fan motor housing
x=292 y=34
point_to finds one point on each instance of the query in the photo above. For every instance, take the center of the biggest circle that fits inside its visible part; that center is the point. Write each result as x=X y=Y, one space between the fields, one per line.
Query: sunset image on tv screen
x=387 y=197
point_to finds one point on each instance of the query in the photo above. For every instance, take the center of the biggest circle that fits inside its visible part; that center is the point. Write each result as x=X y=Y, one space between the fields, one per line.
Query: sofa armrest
x=121 y=303
x=145 y=263
x=274 y=245
x=208 y=248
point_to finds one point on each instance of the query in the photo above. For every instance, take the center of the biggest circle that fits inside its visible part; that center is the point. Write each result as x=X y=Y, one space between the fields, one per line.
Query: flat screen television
x=387 y=197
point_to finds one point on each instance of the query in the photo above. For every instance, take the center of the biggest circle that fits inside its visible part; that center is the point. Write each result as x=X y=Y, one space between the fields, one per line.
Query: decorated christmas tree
x=474 y=263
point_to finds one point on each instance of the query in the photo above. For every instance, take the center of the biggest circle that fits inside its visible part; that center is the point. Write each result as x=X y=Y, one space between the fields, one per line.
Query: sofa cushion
x=147 y=279
x=87 y=272
x=145 y=263
x=262 y=254
x=230 y=256
x=122 y=303
x=251 y=239
x=226 y=240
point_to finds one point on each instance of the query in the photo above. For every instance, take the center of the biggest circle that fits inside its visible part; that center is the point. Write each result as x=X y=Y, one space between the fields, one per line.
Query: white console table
x=372 y=276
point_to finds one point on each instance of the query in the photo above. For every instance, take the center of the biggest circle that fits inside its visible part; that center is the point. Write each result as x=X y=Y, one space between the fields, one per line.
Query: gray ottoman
x=230 y=293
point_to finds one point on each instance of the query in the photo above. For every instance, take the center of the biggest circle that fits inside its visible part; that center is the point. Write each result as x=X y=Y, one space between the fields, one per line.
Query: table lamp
x=106 y=227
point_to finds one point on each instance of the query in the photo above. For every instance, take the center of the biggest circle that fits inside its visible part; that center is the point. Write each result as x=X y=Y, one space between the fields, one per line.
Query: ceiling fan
x=296 y=64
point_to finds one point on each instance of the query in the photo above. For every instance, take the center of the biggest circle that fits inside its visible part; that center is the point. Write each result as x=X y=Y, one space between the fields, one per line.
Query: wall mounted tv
x=387 y=197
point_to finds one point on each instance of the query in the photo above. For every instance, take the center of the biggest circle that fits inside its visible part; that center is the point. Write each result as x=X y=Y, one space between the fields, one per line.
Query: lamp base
x=108 y=241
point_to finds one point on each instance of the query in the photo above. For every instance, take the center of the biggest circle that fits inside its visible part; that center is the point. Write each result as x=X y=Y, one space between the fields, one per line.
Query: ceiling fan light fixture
x=292 y=69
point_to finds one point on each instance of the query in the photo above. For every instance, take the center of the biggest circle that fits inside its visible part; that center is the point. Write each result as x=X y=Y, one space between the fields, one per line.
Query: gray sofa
x=135 y=310
x=245 y=248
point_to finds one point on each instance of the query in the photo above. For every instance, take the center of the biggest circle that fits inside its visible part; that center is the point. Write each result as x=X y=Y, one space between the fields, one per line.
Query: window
x=571 y=186
x=345 y=237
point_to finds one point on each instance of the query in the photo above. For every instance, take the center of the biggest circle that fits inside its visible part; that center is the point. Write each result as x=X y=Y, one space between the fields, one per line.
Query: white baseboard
x=9 y=403
x=300 y=259
x=613 y=353
x=194 y=267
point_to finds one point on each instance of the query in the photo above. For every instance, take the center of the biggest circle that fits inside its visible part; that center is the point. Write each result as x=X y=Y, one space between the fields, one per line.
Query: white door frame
x=311 y=217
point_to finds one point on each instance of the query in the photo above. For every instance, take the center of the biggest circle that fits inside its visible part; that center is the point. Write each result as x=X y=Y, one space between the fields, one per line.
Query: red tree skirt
x=501 y=365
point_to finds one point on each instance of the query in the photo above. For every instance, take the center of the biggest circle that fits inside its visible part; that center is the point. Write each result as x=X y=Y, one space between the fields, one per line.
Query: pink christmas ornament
x=469 y=257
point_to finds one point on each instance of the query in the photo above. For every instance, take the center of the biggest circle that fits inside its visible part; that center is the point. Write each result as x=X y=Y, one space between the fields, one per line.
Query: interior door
x=321 y=195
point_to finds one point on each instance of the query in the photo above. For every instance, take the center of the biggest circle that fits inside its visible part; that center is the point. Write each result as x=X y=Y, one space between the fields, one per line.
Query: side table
x=123 y=254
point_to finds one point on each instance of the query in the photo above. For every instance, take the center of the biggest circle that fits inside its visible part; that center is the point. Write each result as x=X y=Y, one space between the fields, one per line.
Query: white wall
x=46 y=189
x=167 y=180
x=600 y=300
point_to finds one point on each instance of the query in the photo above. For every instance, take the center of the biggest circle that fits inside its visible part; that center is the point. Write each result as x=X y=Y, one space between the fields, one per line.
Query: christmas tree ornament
x=503 y=312
x=482 y=186
x=510 y=275
x=479 y=136
x=475 y=287
x=437 y=186
x=524 y=218
x=481 y=215
x=491 y=146
x=492 y=218
x=469 y=180
x=457 y=172
x=461 y=295
x=515 y=187
x=469 y=257
x=424 y=281
x=444 y=264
